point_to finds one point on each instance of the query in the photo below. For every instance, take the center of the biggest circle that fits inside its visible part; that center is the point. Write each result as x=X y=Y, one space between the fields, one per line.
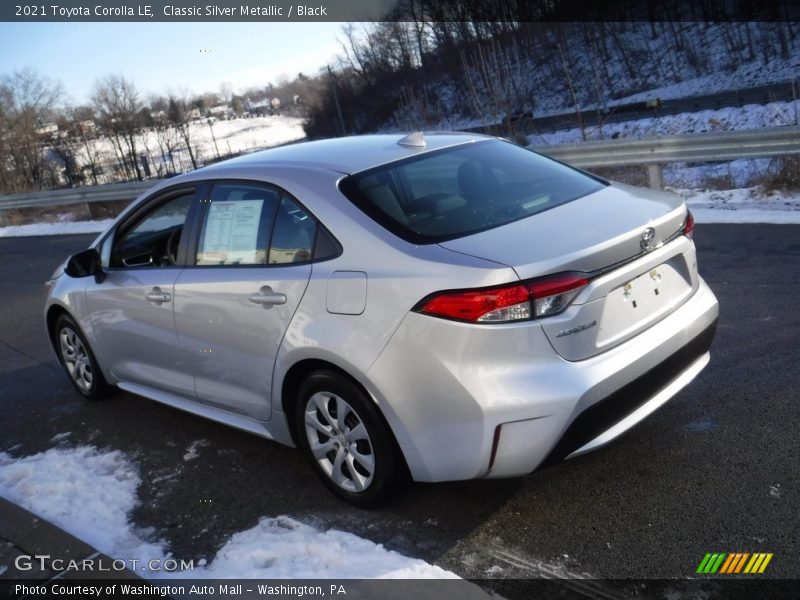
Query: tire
x=357 y=459
x=78 y=360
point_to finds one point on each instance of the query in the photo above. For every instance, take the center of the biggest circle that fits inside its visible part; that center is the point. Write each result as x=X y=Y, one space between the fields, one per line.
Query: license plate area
x=643 y=300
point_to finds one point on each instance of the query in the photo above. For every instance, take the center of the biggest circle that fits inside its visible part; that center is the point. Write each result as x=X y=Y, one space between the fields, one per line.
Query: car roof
x=347 y=154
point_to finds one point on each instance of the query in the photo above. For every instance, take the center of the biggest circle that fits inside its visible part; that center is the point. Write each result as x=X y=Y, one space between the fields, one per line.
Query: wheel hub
x=339 y=441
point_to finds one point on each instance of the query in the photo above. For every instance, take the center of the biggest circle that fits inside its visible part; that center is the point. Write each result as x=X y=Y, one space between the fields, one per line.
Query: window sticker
x=231 y=233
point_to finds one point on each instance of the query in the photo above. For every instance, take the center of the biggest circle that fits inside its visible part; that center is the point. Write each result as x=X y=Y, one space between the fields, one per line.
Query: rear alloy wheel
x=78 y=360
x=346 y=440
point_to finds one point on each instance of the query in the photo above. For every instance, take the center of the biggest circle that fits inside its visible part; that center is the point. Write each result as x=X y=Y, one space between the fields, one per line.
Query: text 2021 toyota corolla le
x=446 y=306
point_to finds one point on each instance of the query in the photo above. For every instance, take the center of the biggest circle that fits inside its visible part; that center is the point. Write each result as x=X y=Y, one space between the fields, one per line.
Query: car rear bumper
x=467 y=401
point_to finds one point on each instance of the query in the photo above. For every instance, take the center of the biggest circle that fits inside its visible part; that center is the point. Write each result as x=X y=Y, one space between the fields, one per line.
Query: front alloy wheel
x=78 y=360
x=346 y=439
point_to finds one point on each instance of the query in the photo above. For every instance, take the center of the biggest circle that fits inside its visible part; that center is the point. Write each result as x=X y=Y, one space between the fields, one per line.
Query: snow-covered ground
x=749 y=205
x=91 y=493
x=221 y=138
x=60 y=228
x=750 y=116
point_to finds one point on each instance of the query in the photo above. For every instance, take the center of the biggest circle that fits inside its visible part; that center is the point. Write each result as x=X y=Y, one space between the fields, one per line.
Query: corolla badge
x=648 y=238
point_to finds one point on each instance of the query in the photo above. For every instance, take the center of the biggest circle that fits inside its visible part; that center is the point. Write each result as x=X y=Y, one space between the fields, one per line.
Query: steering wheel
x=173 y=242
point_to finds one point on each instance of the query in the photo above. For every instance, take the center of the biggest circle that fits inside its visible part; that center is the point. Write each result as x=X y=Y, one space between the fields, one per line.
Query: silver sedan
x=439 y=306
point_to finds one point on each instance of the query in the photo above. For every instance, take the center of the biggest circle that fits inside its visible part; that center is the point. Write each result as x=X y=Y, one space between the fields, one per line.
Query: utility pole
x=336 y=101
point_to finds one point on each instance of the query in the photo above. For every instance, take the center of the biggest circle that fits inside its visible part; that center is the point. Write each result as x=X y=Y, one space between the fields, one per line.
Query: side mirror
x=84 y=264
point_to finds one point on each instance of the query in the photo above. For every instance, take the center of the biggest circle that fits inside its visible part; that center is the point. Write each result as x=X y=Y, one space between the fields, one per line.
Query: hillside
x=545 y=68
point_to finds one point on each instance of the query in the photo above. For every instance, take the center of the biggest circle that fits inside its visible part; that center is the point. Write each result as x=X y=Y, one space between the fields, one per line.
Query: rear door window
x=248 y=224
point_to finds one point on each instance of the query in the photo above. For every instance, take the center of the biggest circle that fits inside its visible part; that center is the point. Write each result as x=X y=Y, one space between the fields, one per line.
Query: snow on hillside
x=739 y=173
x=91 y=494
x=750 y=116
x=607 y=64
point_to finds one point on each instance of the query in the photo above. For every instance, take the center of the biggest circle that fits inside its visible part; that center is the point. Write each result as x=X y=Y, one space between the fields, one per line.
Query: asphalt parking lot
x=714 y=470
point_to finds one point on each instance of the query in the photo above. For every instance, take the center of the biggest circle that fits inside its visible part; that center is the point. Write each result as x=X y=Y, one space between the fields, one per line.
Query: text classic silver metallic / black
x=444 y=306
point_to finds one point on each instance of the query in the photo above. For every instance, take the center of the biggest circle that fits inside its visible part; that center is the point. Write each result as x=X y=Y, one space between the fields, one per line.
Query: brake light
x=540 y=297
x=688 y=225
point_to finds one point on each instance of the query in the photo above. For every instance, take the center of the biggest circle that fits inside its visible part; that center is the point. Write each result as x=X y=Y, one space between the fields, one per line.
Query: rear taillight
x=513 y=302
x=688 y=225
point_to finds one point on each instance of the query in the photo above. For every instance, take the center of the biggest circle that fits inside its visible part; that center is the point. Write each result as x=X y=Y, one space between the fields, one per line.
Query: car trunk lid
x=626 y=239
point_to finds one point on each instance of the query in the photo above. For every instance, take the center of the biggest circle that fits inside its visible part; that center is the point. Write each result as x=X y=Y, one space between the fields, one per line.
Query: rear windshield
x=454 y=192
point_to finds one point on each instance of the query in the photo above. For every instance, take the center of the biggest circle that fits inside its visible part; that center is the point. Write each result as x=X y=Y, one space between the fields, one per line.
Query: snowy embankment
x=748 y=205
x=750 y=116
x=91 y=494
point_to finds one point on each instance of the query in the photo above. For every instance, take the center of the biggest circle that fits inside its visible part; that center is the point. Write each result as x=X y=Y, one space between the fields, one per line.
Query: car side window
x=154 y=239
x=293 y=235
x=237 y=225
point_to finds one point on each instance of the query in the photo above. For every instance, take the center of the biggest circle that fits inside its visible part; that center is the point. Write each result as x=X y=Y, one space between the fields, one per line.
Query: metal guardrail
x=97 y=193
x=659 y=151
x=87 y=196
x=653 y=153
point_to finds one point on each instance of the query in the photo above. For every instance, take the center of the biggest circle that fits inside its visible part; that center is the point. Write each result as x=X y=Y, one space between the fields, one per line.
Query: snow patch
x=92 y=493
x=86 y=492
x=282 y=548
x=63 y=228
x=746 y=205
x=193 y=451
x=60 y=437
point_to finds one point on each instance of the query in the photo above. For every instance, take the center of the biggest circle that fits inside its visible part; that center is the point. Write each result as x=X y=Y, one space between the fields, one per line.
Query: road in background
x=714 y=470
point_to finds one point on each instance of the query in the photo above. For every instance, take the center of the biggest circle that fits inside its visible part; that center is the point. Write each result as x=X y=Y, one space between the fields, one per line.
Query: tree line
x=492 y=62
x=47 y=144
x=430 y=64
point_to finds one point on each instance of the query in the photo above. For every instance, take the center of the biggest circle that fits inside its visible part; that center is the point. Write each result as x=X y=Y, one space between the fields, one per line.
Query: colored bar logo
x=734 y=563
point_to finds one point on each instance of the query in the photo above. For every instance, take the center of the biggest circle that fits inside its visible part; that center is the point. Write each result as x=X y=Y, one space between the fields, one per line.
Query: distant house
x=47 y=129
x=258 y=109
x=221 y=112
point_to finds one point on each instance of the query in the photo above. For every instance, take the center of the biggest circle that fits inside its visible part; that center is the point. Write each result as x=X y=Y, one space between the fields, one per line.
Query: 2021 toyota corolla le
x=448 y=306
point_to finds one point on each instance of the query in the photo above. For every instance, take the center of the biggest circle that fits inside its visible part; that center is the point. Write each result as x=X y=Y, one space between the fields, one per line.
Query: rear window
x=454 y=192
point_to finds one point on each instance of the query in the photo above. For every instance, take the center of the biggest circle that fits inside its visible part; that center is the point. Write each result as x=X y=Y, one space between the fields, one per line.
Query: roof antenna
x=413 y=140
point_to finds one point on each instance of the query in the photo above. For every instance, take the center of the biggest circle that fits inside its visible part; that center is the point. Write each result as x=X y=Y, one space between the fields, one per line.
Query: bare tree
x=79 y=123
x=27 y=102
x=116 y=100
x=494 y=75
x=165 y=133
x=226 y=91
x=179 y=114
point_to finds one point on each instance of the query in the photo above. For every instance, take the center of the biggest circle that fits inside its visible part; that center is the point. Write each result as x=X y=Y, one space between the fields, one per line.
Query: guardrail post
x=3 y=220
x=655 y=176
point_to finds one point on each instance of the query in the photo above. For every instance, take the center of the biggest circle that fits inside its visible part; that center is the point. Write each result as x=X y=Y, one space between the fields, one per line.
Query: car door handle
x=266 y=297
x=157 y=296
